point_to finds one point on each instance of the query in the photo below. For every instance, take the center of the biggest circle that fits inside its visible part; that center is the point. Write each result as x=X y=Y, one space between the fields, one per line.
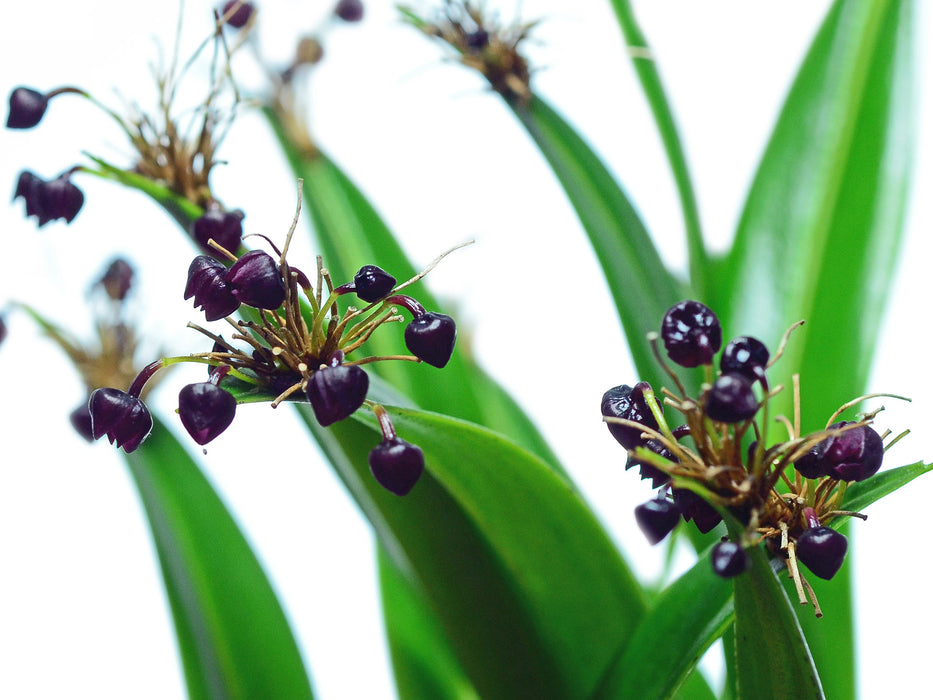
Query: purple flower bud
x=49 y=199
x=208 y=285
x=27 y=107
x=657 y=518
x=823 y=550
x=81 y=421
x=647 y=470
x=336 y=392
x=691 y=334
x=396 y=465
x=744 y=355
x=729 y=559
x=372 y=283
x=629 y=403
x=853 y=455
x=695 y=508
x=225 y=227
x=731 y=399
x=205 y=410
x=256 y=281
x=349 y=10
x=237 y=18
x=117 y=279
x=430 y=337
x=124 y=419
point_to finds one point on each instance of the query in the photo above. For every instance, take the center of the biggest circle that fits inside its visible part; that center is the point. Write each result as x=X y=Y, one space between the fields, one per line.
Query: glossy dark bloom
x=27 y=107
x=349 y=10
x=224 y=227
x=207 y=283
x=731 y=399
x=694 y=508
x=744 y=355
x=335 y=392
x=431 y=337
x=853 y=455
x=81 y=421
x=823 y=550
x=657 y=518
x=117 y=279
x=647 y=470
x=47 y=200
x=729 y=559
x=396 y=465
x=205 y=410
x=124 y=419
x=691 y=334
x=238 y=17
x=629 y=403
x=256 y=281
x=372 y=283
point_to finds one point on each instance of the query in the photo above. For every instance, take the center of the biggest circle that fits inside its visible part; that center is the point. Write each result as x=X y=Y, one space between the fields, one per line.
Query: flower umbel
x=781 y=493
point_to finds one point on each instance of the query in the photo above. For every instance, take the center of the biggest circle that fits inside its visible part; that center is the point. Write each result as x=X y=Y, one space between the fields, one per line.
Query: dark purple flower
x=49 y=199
x=629 y=403
x=853 y=455
x=691 y=334
x=124 y=419
x=27 y=107
x=823 y=550
x=729 y=559
x=349 y=10
x=207 y=283
x=372 y=283
x=695 y=508
x=256 y=281
x=431 y=337
x=396 y=465
x=81 y=421
x=657 y=518
x=335 y=392
x=731 y=399
x=224 y=227
x=205 y=410
x=745 y=355
x=238 y=17
x=117 y=279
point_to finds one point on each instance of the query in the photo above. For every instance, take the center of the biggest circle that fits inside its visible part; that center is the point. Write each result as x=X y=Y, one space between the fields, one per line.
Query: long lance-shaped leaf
x=683 y=621
x=862 y=494
x=234 y=639
x=819 y=236
x=423 y=661
x=641 y=286
x=650 y=77
x=525 y=583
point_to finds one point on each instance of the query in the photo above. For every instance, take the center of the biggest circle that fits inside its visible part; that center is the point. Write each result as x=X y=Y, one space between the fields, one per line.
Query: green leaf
x=234 y=639
x=861 y=494
x=423 y=661
x=684 y=620
x=647 y=70
x=525 y=583
x=641 y=286
x=772 y=657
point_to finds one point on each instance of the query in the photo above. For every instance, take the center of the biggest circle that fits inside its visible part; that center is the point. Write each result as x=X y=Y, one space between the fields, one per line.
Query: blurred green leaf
x=861 y=494
x=641 y=286
x=423 y=662
x=646 y=68
x=234 y=639
x=525 y=583
x=683 y=621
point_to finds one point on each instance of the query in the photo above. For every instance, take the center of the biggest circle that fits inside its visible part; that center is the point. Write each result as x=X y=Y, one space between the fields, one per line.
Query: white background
x=82 y=612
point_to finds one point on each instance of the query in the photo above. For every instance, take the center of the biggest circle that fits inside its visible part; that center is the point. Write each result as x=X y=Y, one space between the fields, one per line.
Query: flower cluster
x=290 y=342
x=783 y=493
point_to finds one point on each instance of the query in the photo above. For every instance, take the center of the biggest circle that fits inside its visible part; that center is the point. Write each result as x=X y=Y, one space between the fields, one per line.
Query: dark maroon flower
x=823 y=550
x=224 y=227
x=117 y=279
x=745 y=355
x=349 y=10
x=27 y=107
x=657 y=518
x=207 y=283
x=691 y=334
x=372 y=283
x=853 y=455
x=237 y=12
x=729 y=559
x=81 y=421
x=49 y=199
x=256 y=281
x=431 y=337
x=205 y=410
x=629 y=403
x=731 y=399
x=3 y=329
x=396 y=464
x=695 y=508
x=123 y=418
x=335 y=392
x=646 y=469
